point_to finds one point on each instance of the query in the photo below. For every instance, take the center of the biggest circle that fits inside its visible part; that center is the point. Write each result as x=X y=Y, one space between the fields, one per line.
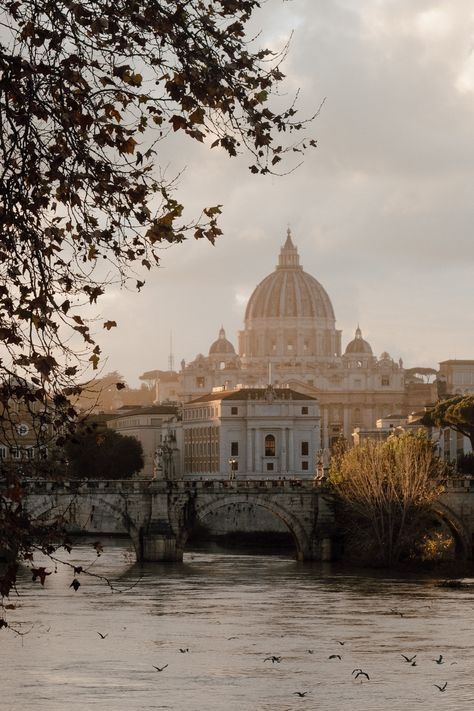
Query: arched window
x=269 y=446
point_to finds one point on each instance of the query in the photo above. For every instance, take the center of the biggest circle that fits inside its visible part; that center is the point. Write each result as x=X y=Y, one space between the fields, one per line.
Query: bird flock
x=356 y=674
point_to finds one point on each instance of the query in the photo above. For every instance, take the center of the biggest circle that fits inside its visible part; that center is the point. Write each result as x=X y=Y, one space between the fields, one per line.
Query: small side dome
x=358 y=346
x=222 y=346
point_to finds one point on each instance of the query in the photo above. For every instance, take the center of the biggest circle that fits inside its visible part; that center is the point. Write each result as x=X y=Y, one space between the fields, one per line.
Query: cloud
x=382 y=211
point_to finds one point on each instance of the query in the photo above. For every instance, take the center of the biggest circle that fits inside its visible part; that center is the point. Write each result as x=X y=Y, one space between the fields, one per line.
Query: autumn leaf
x=40 y=573
x=97 y=545
x=110 y=324
x=178 y=122
x=75 y=584
x=120 y=386
x=127 y=146
x=197 y=116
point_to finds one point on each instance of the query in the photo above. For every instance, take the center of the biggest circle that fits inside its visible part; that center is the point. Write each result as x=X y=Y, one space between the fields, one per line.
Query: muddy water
x=232 y=611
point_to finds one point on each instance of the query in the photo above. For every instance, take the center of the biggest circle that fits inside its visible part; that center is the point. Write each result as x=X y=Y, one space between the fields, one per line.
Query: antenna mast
x=171 y=356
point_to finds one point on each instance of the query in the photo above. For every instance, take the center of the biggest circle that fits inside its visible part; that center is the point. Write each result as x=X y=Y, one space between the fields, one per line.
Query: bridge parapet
x=159 y=514
x=459 y=484
x=206 y=485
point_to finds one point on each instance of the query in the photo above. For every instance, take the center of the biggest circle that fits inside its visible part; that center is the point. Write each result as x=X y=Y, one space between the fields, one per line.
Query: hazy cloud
x=382 y=212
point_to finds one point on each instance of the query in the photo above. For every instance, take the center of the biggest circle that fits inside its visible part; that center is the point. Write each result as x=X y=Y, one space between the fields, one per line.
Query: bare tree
x=386 y=490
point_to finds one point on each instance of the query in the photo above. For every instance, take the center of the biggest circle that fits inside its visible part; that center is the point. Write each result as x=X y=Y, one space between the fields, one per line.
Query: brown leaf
x=178 y=122
x=40 y=573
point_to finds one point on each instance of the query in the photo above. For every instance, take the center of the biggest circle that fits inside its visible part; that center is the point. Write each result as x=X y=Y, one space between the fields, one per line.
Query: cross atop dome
x=289 y=254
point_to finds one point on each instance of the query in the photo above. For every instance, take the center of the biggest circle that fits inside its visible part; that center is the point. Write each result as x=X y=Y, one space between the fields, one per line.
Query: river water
x=231 y=611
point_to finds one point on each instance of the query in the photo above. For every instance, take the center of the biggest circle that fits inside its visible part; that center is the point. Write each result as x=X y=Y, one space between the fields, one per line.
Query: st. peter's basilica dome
x=289 y=292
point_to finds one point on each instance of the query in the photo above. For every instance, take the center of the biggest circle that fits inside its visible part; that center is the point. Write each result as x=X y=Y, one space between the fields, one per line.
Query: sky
x=381 y=212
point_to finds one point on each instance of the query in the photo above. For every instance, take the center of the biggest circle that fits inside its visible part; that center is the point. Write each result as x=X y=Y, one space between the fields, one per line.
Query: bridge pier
x=159 y=544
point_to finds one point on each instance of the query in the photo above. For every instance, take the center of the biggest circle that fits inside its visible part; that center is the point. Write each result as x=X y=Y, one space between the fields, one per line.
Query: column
x=291 y=451
x=325 y=428
x=258 y=451
x=346 y=428
x=249 y=450
x=284 y=451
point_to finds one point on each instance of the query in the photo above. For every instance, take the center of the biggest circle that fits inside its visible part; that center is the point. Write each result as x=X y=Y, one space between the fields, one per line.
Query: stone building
x=151 y=427
x=251 y=433
x=456 y=377
x=290 y=331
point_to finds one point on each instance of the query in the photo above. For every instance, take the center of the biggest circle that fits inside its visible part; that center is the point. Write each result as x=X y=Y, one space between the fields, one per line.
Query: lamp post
x=232 y=468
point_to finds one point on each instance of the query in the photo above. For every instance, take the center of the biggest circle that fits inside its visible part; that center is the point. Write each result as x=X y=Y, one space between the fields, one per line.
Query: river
x=230 y=611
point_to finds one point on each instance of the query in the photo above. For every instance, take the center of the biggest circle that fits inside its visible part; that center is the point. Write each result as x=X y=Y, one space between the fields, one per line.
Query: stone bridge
x=159 y=515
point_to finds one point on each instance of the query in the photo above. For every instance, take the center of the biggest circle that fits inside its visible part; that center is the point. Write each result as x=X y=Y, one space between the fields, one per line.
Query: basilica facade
x=290 y=340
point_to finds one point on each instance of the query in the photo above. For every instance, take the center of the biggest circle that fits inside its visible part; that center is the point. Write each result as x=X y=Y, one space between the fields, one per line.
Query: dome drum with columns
x=290 y=340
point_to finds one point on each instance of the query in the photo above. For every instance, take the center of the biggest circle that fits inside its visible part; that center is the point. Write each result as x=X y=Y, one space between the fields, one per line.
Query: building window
x=15 y=453
x=304 y=449
x=304 y=410
x=200 y=381
x=269 y=466
x=305 y=466
x=29 y=453
x=234 y=410
x=385 y=380
x=234 y=449
x=269 y=446
x=222 y=365
x=289 y=347
x=3 y=452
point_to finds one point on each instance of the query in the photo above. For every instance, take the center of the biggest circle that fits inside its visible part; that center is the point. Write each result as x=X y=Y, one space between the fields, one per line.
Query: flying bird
x=441 y=688
x=310 y=651
x=409 y=659
x=159 y=669
x=354 y=671
x=362 y=673
x=439 y=660
x=273 y=659
x=103 y=636
x=183 y=651
x=339 y=642
x=301 y=694
x=334 y=656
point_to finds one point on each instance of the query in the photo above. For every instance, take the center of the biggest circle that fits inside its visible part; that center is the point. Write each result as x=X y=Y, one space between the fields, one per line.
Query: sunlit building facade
x=290 y=340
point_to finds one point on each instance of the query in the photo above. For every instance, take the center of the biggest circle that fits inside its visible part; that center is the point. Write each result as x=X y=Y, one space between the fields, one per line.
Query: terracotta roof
x=252 y=394
x=155 y=410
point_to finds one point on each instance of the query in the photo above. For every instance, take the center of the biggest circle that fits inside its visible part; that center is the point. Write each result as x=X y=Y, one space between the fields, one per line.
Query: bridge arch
x=462 y=538
x=49 y=506
x=293 y=524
